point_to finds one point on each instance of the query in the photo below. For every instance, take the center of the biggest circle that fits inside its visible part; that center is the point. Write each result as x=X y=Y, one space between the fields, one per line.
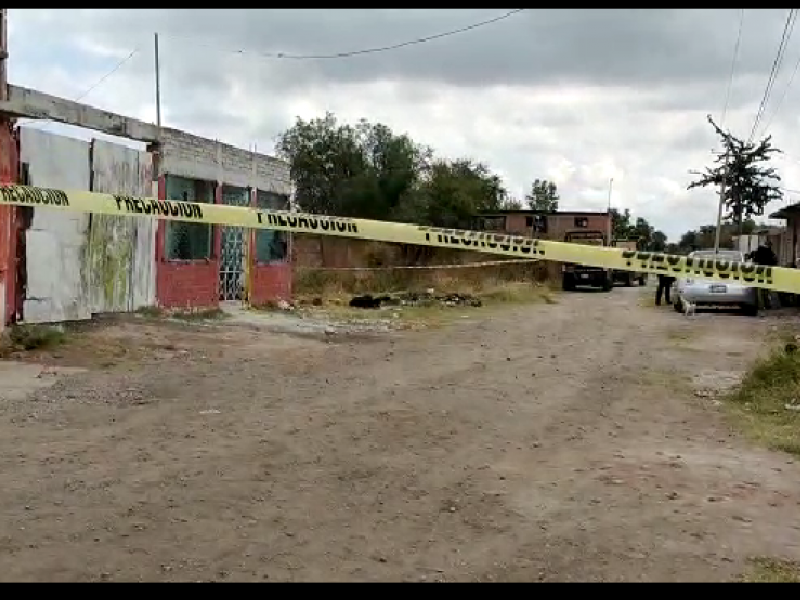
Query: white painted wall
x=80 y=264
x=122 y=250
x=56 y=241
x=747 y=243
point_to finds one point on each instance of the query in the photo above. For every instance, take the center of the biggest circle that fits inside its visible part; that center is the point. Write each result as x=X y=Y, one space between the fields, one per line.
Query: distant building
x=542 y=225
x=788 y=248
x=761 y=235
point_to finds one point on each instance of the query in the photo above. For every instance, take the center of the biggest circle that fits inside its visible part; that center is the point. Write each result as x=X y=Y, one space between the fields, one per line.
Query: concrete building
x=788 y=248
x=761 y=235
x=57 y=266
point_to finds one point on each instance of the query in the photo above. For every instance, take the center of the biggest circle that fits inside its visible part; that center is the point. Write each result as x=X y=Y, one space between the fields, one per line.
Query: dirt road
x=550 y=442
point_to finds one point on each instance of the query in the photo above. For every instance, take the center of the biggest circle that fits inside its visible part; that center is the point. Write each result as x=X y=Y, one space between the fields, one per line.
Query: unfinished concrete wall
x=194 y=157
x=56 y=242
x=122 y=263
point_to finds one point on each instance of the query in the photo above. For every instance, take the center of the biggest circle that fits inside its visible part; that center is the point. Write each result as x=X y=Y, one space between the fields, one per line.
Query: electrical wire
x=90 y=89
x=788 y=28
x=733 y=67
x=107 y=75
x=783 y=96
x=348 y=54
x=352 y=53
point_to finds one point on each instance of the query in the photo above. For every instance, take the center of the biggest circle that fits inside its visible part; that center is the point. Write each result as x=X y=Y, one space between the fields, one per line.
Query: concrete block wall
x=194 y=157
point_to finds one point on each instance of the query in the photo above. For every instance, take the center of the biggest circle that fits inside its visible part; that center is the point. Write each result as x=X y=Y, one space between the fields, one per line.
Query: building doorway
x=234 y=249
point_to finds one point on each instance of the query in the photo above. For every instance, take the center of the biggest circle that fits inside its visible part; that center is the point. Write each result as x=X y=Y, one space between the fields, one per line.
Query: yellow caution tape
x=774 y=278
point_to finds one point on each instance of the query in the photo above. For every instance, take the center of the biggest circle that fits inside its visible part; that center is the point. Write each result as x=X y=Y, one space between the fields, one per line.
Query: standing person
x=764 y=255
x=664 y=285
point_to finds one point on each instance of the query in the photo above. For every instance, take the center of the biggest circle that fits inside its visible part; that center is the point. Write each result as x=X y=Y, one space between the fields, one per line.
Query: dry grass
x=311 y=283
x=437 y=314
x=331 y=291
x=772 y=570
x=758 y=406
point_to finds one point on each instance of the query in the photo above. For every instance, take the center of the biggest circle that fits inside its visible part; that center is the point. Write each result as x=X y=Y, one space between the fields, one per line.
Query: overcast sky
x=575 y=96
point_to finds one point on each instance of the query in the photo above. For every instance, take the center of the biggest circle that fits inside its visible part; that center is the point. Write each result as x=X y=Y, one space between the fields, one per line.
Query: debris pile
x=428 y=298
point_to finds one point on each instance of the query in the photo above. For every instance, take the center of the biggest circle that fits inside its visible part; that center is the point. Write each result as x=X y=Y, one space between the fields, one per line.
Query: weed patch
x=767 y=403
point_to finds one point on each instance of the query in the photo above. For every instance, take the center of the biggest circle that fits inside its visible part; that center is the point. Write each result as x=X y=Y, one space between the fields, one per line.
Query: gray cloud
x=574 y=95
x=536 y=47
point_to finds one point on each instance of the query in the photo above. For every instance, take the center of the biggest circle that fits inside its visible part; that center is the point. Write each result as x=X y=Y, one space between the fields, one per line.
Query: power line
x=733 y=67
x=783 y=96
x=91 y=88
x=788 y=28
x=116 y=68
x=352 y=53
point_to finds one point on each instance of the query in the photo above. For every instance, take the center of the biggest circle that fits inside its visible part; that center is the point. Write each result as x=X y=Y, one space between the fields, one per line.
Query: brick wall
x=188 y=285
x=558 y=225
x=270 y=282
x=185 y=283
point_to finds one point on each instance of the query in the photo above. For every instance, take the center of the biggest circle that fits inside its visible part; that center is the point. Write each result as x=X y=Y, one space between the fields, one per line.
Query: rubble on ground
x=427 y=298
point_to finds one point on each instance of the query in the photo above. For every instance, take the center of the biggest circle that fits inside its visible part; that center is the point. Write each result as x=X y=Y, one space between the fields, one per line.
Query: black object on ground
x=368 y=301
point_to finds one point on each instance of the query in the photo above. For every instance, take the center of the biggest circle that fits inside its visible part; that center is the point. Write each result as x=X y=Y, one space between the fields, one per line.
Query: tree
x=512 y=204
x=543 y=196
x=658 y=242
x=646 y=236
x=453 y=192
x=642 y=232
x=362 y=171
x=704 y=237
x=620 y=224
x=368 y=171
x=748 y=181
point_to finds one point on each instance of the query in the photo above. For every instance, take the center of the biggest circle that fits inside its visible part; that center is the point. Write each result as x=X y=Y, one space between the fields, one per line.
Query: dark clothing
x=664 y=284
x=763 y=255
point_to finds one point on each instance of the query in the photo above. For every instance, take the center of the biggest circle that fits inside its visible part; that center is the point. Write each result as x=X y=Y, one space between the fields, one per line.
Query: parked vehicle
x=712 y=292
x=628 y=278
x=574 y=275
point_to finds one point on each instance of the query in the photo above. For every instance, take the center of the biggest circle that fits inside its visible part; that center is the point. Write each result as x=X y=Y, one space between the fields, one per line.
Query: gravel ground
x=559 y=442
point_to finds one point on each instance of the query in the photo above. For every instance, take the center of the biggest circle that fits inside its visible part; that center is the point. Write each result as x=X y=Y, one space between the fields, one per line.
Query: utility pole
x=158 y=82
x=722 y=190
x=610 y=218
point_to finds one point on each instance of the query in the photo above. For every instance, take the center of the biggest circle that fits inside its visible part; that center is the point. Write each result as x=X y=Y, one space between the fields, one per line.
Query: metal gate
x=234 y=249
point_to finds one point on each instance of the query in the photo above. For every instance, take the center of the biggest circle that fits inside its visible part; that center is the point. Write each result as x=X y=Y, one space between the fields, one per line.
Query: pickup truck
x=627 y=278
x=574 y=275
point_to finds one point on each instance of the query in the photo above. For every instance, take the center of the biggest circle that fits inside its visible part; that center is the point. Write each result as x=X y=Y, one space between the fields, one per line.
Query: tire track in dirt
x=554 y=442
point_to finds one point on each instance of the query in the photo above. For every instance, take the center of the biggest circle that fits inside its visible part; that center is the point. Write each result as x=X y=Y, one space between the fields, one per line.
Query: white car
x=715 y=292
